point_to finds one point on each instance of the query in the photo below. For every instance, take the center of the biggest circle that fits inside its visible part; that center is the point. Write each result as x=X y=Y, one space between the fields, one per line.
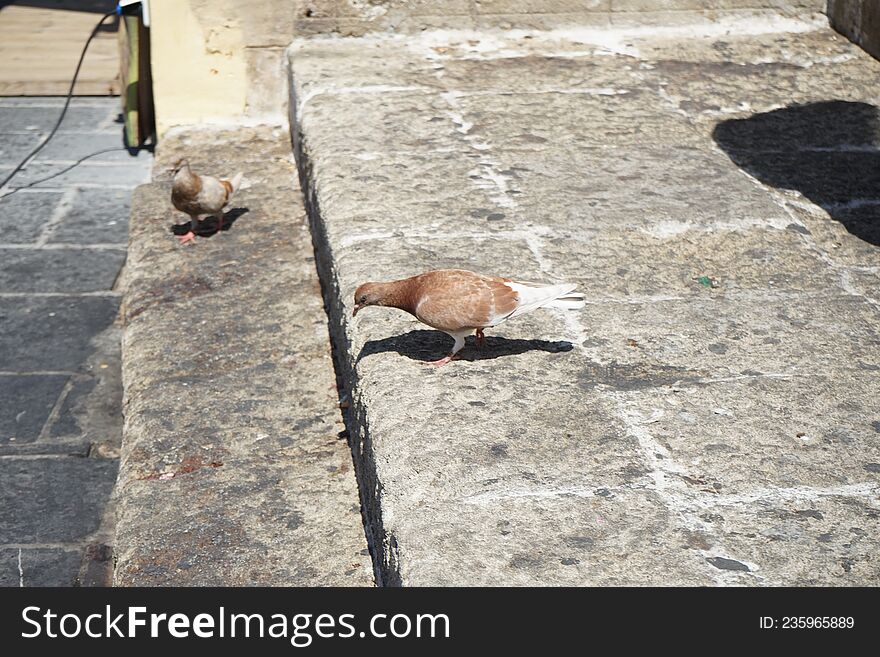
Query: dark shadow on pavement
x=432 y=345
x=210 y=226
x=829 y=151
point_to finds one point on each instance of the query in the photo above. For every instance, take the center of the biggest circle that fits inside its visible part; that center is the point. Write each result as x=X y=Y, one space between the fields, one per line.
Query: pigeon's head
x=368 y=294
x=179 y=164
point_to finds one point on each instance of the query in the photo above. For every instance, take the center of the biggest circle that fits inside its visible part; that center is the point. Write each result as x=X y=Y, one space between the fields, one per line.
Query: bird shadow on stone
x=426 y=346
x=829 y=151
x=210 y=226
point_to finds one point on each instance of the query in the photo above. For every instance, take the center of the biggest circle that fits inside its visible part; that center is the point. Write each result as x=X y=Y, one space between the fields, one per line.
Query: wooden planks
x=39 y=48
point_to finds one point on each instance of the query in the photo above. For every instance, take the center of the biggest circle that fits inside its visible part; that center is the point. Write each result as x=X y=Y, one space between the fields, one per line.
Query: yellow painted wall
x=198 y=62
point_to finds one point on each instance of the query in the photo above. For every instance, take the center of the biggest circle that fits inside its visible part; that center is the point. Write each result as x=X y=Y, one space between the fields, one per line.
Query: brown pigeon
x=200 y=196
x=457 y=302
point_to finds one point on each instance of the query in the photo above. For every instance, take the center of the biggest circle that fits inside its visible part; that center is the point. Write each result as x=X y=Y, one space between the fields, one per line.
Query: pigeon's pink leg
x=481 y=339
x=459 y=343
x=442 y=361
x=189 y=237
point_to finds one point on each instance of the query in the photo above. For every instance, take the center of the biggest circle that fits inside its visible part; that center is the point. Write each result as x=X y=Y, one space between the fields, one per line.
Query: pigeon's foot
x=442 y=361
x=188 y=237
x=481 y=339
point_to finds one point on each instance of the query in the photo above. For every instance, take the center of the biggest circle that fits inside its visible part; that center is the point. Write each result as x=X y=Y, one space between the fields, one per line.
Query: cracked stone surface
x=710 y=417
x=235 y=468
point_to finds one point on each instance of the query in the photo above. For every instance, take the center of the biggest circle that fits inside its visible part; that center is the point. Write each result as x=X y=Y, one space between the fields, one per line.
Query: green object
x=137 y=85
x=705 y=281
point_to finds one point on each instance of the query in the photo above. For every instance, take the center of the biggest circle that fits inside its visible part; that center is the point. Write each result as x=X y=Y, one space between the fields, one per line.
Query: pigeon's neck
x=185 y=180
x=399 y=294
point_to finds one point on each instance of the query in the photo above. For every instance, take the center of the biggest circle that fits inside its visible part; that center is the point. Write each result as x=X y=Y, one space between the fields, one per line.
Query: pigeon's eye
x=363 y=299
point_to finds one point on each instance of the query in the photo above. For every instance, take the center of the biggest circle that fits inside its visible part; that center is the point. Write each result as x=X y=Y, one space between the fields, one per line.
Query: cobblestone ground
x=62 y=248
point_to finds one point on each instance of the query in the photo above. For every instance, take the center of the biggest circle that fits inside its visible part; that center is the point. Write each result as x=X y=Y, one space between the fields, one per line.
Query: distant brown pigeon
x=200 y=196
x=457 y=302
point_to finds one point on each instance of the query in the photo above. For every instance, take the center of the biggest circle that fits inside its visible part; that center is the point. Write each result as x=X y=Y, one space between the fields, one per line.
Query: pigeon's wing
x=185 y=195
x=213 y=195
x=455 y=300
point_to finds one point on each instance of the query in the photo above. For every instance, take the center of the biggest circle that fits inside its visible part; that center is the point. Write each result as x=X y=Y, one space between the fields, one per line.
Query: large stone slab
x=95 y=216
x=84 y=270
x=235 y=467
x=58 y=331
x=707 y=418
x=53 y=500
x=39 y=567
x=27 y=402
x=25 y=214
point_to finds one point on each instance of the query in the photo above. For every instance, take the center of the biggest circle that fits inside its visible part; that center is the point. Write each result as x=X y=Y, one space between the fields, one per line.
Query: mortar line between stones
x=37 y=373
x=55 y=413
x=739 y=22
x=488 y=174
x=95 y=163
x=22 y=189
x=844 y=281
x=53 y=102
x=20 y=571
x=78 y=133
x=663 y=471
x=73 y=546
x=533 y=238
x=37 y=457
x=540 y=231
x=60 y=212
x=63 y=247
x=867 y=490
x=52 y=295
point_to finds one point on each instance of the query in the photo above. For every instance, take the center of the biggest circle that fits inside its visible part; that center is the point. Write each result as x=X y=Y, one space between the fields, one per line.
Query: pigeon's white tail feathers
x=236 y=182
x=533 y=296
x=568 y=302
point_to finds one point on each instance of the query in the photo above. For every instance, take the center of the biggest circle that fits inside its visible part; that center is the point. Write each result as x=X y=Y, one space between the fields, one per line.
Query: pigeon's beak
x=176 y=166
x=356 y=308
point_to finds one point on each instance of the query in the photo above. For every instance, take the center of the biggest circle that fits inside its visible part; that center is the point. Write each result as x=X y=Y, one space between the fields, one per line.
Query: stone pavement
x=62 y=246
x=711 y=417
x=235 y=466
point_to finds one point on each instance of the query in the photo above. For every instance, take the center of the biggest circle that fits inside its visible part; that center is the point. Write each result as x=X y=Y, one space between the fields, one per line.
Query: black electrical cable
x=64 y=170
x=40 y=146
